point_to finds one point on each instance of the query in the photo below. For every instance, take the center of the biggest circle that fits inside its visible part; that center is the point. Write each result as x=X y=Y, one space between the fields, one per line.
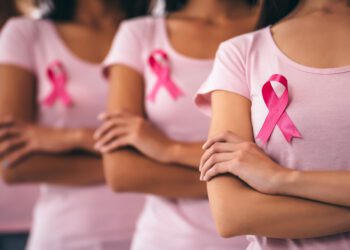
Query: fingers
x=108 y=115
x=110 y=136
x=115 y=144
x=11 y=144
x=8 y=132
x=213 y=160
x=7 y=121
x=217 y=169
x=109 y=125
x=224 y=137
x=218 y=147
x=16 y=156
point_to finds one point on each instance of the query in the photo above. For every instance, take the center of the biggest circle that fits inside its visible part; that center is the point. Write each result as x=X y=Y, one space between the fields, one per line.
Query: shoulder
x=244 y=45
x=22 y=27
x=141 y=25
x=21 y=23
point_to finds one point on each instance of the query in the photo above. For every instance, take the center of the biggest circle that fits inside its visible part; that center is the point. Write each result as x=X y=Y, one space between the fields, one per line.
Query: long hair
x=7 y=9
x=175 y=5
x=64 y=10
x=273 y=11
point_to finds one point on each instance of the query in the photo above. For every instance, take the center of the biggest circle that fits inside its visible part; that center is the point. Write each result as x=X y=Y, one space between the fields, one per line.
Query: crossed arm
x=139 y=164
x=47 y=153
x=238 y=209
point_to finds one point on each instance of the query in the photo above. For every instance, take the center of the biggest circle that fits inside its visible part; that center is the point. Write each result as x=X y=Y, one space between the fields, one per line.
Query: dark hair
x=175 y=5
x=64 y=10
x=7 y=9
x=273 y=11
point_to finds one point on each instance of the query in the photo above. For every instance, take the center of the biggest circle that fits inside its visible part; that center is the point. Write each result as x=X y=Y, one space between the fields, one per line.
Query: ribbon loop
x=277 y=112
x=159 y=63
x=58 y=78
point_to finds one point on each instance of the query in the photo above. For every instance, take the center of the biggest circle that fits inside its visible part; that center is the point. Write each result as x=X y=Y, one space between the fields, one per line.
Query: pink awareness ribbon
x=159 y=63
x=58 y=78
x=277 y=112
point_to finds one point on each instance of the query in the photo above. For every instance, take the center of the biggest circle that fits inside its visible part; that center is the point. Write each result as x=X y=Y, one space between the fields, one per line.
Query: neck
x=217 y=10
x=95 y=14
x=323 y=5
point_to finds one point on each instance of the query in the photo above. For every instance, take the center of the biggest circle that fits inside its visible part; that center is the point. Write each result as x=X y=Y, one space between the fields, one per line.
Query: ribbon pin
x=159 y=63
x=277 y=112
x=58 y=78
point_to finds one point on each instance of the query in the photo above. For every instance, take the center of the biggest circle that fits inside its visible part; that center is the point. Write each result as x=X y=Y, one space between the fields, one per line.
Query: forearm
x=239 y=210
x=187 y=154
x=86 y=141
x=330 y=187
x=69 y=169
x=129 y=171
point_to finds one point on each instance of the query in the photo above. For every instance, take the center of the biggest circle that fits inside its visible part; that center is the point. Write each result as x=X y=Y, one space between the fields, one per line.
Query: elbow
x=231 y=218
x=117 y=174
x=10 y=176
x=228 y=228
x=117 y=184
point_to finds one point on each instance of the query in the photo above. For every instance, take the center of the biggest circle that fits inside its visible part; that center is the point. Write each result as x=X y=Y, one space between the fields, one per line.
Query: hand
x=19 y=139
x=121 y=129
x=227 y=153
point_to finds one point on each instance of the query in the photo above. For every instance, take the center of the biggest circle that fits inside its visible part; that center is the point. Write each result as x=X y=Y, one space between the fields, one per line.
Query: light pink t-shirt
x=170 y=224
x=16 y=206
x=318 y=106
x=69 y=218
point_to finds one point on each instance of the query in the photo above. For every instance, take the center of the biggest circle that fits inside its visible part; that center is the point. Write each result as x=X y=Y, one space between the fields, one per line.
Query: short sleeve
x=127 y=47
x=228 y=74
x=16 y=43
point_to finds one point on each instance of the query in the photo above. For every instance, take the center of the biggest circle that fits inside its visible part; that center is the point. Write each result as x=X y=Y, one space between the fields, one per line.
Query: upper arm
x=226 y=96
x=230 y=112
x=17 y=93
x=126 y=90
x=17 y=81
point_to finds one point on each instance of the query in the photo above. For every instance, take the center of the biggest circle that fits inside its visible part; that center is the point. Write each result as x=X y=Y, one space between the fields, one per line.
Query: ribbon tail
x=152 y=96
x=288 y=128
x=66 y=99
x=268 y=126
x=50 y=99
x=174 y=90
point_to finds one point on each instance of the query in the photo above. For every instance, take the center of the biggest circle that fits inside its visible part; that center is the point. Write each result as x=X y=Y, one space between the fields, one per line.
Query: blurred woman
x=51 y=90
x=16 y=203
x=155 y=67
x=280 y=103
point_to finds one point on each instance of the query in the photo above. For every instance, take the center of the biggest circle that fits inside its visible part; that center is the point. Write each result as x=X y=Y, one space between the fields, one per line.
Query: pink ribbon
x=159 y=63
x=58 y=78
x=277 y=112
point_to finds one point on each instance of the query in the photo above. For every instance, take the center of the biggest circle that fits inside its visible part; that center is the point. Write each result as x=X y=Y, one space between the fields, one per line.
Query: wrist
x=171 y=152
x=76 y=136
x=286 y=180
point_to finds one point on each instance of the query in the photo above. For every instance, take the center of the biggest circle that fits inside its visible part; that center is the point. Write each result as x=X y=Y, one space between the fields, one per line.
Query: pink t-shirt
x=69 y=217
x=318 y=106
x=170 y=223
x=16 y=206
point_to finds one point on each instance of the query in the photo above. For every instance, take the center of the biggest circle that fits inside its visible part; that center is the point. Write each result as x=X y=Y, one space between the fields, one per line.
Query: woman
x=154 y=68
x=283 y=88
x=51 y=90
x=16 y=203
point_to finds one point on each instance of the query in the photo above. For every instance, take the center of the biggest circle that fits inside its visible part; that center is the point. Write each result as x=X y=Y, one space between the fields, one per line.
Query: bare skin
x=164 y=162
x=319 y=209
x=33 y=153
